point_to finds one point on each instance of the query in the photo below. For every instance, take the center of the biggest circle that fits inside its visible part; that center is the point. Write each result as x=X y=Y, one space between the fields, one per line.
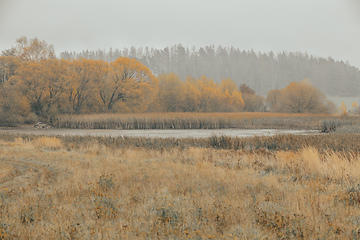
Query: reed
x=322 y=142
x=244 y=120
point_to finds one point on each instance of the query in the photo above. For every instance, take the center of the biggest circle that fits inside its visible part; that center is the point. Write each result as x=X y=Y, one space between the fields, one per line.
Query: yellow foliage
x=202 y=95
x=354 y=107
x=8 y=67
x=128 y=81
x=299 y=97
x=50 y=86
x=343 y=108
x=24 y=106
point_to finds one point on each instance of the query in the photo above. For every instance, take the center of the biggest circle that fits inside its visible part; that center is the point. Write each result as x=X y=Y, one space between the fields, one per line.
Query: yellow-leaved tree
x=299 y=97
x=14 y=108
x=253 y=102
x=274 y=100
x=190 y=96
x=44 y=83
x=8 y=67
x=57 y=80
x=343 y=108
x=129 y=86
x=86 y=78
x=31 y=81
x=354 y=107
x=233 y=99
x=170 y=92
x=33 y=49
x=210 y=95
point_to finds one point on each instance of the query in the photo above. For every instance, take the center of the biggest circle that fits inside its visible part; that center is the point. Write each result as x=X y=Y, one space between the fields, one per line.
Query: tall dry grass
x=191 y=121
x=347 y=143
x=50 y=189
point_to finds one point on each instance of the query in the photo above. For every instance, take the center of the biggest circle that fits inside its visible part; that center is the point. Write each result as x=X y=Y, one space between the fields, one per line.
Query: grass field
x=106 y=188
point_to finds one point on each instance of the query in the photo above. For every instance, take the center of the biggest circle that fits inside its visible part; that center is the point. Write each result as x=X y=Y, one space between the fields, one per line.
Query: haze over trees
x=260 y=71
x=34 y=84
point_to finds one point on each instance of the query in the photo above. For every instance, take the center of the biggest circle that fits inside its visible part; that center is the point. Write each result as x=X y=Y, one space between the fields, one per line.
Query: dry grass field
x=103 y=188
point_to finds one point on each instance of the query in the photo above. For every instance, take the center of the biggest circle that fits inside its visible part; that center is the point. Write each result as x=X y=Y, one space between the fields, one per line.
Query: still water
x=163 y=133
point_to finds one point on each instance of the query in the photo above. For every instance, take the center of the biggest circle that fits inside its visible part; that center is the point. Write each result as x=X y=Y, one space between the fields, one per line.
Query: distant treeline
x=261 y=71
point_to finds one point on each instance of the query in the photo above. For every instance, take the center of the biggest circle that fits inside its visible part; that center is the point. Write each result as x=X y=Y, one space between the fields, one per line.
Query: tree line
x=36 y=85
x=261 y=71
x=45 y=88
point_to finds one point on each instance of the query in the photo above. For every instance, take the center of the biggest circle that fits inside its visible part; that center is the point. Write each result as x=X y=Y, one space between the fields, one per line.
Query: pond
x=156 y=133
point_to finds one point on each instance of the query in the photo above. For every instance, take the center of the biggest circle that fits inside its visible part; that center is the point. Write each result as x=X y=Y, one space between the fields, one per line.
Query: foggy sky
x=319 y=27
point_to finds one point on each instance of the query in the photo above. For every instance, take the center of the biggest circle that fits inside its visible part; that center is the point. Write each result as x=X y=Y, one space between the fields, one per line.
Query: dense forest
x=261 y=71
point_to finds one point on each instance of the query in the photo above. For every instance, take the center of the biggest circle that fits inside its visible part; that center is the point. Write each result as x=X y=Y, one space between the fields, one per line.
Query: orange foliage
x=343 y=108
x=86 y=76
x=197 y=95
x=299 y=97
x=8 y=66
x=129 y=82
x=354 y=107
x=31 y=81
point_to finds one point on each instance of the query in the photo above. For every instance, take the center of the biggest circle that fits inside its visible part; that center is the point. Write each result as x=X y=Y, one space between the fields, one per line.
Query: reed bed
x=82 y=188
x=338 y=142
x=349 y=124
x=243 y=120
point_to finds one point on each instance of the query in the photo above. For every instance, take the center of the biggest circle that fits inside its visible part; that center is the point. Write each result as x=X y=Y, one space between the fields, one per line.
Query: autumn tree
x=343 y=108
x=31 y=49
x=169 y=94
x=354 y=107
x=14 y=108
x=87 y=75
x=234 y=101
x=299 y=97
x=273 y=100
x=214 y=97
x=31 y=81
x=302 y=97
x=57 y=86
x=129 y=83
x=190 y=96
x=253 y=102
x=210 y=94
x=246 y=89
x=43 y=83
x=8 y=67
x=197 y=95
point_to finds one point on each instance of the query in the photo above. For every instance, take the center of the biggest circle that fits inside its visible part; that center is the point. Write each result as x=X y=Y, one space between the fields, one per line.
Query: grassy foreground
x=94 y=188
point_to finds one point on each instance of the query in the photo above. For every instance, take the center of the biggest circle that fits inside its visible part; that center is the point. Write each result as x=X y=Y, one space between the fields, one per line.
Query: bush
x=329 y=126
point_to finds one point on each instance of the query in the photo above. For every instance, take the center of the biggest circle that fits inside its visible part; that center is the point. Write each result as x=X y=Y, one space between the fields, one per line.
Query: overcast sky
x=319 y=27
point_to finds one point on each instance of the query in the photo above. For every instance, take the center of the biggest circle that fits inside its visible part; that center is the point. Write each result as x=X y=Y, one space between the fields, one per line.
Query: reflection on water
x=164 y=133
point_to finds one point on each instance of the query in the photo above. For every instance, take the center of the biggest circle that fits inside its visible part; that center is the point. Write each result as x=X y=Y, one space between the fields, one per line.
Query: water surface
x=159 y=133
